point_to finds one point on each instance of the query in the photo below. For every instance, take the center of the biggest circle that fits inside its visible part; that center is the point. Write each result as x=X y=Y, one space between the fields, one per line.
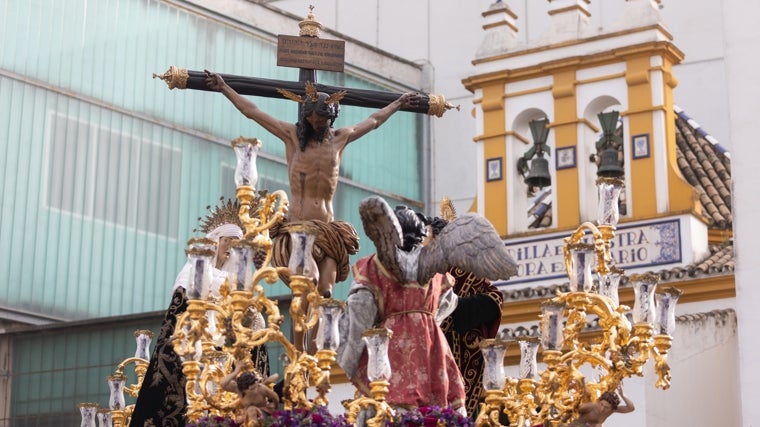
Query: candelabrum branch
x=141 y=365
x=601 y=236
x=660 y=349
x=216 y=365
x=382 y=410
x=489 y=411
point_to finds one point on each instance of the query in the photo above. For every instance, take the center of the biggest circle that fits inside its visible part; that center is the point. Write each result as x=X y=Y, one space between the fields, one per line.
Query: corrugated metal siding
x=56 y=368
x=94 y=222
x=96 y=214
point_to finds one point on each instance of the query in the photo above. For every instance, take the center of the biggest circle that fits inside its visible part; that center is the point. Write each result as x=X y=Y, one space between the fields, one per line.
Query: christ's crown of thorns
x=312 y=95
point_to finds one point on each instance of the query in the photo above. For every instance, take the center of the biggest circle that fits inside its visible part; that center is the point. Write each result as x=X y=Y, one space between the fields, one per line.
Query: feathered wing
x=471 y=243
x=382 y=227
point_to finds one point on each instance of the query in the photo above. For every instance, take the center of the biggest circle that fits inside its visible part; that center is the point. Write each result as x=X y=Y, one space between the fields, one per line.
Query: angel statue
x=399 y=288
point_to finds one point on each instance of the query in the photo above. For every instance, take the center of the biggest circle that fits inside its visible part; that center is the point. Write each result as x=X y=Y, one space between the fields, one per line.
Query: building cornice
x=653 y=48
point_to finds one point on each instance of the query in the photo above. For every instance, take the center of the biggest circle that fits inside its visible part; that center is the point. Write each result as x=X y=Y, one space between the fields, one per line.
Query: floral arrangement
x=214 y=421
x=318 y=416
x=430 y=416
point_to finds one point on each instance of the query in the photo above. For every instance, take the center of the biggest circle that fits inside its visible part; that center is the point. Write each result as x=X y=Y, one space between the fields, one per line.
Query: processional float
x=549 y=397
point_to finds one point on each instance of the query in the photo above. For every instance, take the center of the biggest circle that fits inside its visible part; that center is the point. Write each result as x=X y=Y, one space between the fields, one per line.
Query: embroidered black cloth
x=477 y=316
x=162 y=399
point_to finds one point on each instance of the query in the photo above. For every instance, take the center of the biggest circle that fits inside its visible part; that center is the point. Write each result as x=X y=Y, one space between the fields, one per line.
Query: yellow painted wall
x=493 y=140
x=640 y=121
x=564 y=127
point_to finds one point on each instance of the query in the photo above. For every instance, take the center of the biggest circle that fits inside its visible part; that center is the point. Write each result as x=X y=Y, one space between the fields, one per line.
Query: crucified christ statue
x=313 y=150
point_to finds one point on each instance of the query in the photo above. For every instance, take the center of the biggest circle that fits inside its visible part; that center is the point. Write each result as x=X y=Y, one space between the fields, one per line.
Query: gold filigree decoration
x=437 y=105
x=174 y=77
x=335 y=97
x=448 y=212
x=291 y=96
x=312 y=94
x=310 y=27
x=226 y=213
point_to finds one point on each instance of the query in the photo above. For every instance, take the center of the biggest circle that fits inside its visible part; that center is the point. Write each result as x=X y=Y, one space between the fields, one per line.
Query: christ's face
x=318 y=121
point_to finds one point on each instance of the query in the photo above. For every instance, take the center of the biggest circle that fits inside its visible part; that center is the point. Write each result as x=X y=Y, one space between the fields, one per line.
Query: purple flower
x=318 y=416
x=431 y=416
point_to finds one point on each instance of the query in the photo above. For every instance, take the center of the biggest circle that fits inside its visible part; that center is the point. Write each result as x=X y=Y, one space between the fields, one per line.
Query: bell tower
x=573 y=78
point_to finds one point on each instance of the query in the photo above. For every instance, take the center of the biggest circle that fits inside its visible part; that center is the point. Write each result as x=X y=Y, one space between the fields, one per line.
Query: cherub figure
x=257 y=398
x=593 y=414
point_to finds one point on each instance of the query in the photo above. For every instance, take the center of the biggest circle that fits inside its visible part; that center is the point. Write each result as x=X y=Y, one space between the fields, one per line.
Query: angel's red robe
x=424 y=372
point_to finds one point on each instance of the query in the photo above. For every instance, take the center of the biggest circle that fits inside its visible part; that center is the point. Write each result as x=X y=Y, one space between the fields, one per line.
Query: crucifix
x=309 y=53
x=313 y=149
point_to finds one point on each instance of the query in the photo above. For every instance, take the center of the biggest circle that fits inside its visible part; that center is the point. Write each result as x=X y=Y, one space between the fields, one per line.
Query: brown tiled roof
x=707 y=167
x=719 y=261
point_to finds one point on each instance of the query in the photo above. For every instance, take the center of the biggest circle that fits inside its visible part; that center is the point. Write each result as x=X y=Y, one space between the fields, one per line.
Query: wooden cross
x=308 y=53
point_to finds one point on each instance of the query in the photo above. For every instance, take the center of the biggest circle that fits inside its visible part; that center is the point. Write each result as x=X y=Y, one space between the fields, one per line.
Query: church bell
x=609 y=165
x=538 y=176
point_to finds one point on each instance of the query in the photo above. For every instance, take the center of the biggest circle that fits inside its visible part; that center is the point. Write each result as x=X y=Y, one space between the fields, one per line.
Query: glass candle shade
x=665 y=302
x=215 y=330
x=104 y=418
x=609 y=284
x=143 y=338
x=246 y=150
x=88 y=411
x=609 y=196
x=582 y=257
x=528 y=353
x=328 y=335
x=643 y=305
x=378 y=364
x=493 y=355
x=552 y=313
x=116 y=386
x=200 y=253
x=301 y=262
x=238 y=267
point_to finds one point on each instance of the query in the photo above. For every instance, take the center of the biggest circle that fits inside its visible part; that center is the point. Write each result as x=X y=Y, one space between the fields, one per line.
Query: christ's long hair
x=304 y=131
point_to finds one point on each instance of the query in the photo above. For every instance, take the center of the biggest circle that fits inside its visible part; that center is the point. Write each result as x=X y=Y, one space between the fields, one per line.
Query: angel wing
x=382 y=227
x=469 y=242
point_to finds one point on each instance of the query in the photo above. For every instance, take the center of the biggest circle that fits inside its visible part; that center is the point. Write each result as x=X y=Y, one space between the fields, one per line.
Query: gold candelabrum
x=207 y=351
x=118 y=412
x=215 y=332
x=554 y=395
x=379 y=375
